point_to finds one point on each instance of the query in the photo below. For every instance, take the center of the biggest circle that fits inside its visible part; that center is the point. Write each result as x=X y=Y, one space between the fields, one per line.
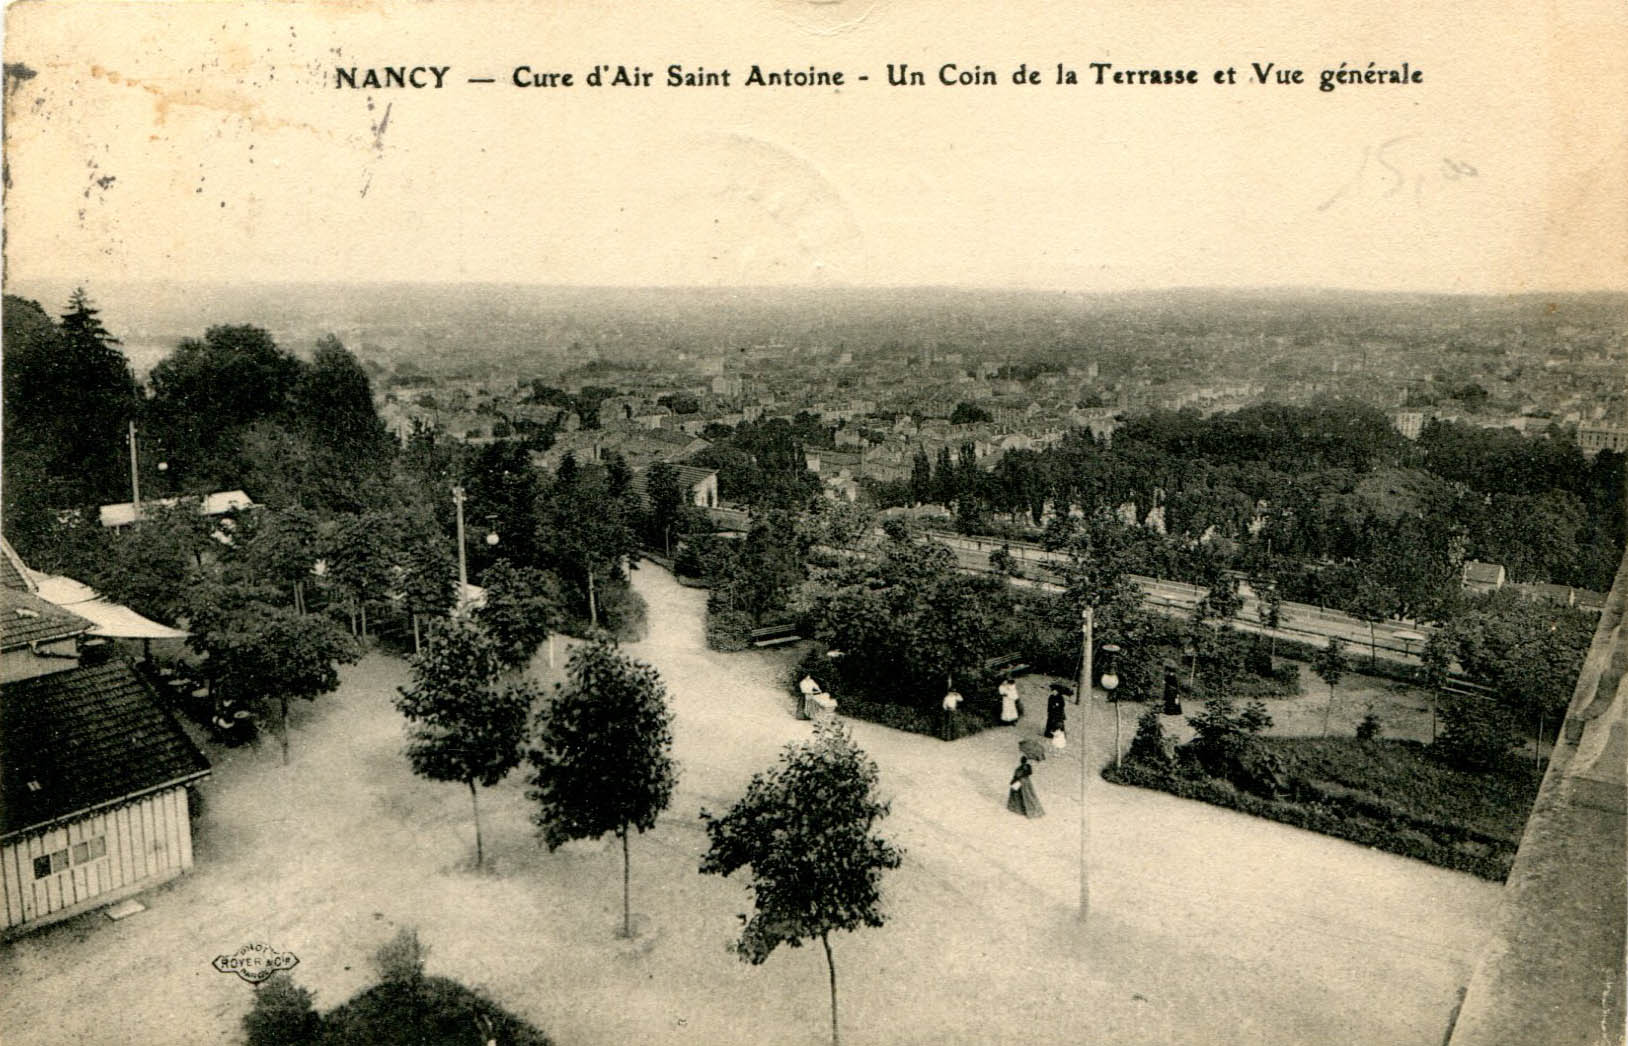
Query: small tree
x=804 y=829
x=1148 y=745
x=465 y=726
x=1330 y=665
x=523 y=605
x=258 y=650
x=603 y=758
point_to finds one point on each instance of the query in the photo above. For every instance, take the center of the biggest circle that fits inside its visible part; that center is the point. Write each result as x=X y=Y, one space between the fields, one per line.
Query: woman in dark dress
x=1020 y=797
x=1055 y=715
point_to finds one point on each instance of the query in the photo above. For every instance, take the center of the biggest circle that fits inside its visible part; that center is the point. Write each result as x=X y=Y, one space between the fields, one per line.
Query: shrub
x=400 y=960
x=1368 y=729
x=1148 y=746
x=282 y=1014
x=729 y=630
x=1476 y=733
x=622 y=613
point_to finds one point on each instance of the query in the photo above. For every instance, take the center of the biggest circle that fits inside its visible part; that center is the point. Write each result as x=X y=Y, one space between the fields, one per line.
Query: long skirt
x=1009 y=708
x=1022 y=800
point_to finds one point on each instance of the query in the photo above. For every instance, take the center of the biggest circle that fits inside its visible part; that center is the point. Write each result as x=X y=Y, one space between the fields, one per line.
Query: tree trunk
x=364 y=620
x=825 y=939
x=417 y=646
x=1373 y=647
x=627 y=908
x=474 y=804
x=593 y=608
x=284 y=700
x=1116 y=735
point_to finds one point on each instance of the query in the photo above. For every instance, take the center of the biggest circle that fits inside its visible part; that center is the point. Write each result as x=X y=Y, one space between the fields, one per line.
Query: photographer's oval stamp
x=255 y=962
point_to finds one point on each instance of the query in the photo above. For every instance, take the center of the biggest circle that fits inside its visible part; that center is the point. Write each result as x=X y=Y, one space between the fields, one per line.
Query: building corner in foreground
x=1553 y=968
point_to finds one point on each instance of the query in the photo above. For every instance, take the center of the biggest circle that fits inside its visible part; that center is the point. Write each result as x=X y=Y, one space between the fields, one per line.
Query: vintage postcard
x=770 y=520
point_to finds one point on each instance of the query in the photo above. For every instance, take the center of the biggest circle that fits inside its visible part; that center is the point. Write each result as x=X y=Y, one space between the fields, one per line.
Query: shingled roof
x=12 y=573
x=26 y=618
x=85 y=738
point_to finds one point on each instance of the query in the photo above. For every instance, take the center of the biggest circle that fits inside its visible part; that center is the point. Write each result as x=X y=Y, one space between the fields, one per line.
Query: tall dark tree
x=207 y=392
x=804 y=829
x=603 y=756
x=466 y=724
x=69 y=397
x=666 y=496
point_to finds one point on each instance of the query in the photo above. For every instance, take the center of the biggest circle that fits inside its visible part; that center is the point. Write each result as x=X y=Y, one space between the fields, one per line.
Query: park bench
x=1006 y=664
x=773 y=635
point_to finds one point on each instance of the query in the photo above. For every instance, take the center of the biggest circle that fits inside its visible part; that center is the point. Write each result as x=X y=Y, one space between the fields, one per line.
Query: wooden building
x=94 y=773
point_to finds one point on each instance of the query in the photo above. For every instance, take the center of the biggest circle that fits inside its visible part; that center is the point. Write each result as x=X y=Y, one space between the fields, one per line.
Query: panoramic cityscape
x=1304 y=579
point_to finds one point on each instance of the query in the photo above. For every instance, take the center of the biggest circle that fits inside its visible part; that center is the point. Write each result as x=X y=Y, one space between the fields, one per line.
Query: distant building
x=125 y=513
x=1483 y=577
x=1409 y=422
x=1595 y=438
x=701 y=485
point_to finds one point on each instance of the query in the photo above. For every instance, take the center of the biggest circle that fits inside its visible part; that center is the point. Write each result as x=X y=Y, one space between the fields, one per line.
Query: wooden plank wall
x=148 y=841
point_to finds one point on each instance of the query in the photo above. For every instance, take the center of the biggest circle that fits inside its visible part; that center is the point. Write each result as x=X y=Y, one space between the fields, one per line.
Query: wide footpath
x=1205 y=926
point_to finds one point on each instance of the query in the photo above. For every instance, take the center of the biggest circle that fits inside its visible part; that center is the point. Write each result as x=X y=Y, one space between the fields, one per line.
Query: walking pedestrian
x=806 y=689
x=1011 y=709
x=946 y=715
x=1056 y=716
x=1020 y=797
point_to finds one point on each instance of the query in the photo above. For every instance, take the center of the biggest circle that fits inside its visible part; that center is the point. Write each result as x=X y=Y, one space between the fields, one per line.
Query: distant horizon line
x=1254 y=289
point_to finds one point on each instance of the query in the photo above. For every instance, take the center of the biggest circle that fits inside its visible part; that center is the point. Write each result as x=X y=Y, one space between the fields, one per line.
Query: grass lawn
x=1404 y=775
x=1391 y=795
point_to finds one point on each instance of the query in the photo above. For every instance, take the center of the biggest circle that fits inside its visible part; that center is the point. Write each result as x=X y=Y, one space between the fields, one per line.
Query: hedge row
x=1402 y=836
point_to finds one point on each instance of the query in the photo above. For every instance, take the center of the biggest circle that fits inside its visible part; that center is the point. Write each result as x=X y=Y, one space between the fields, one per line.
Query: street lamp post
x=1085 y=743
x=1110 y=683
x=463 y=558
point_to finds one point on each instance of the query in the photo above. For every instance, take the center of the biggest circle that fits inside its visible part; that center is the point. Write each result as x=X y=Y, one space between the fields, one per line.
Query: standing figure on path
x=1055 y=714
x=805 y=690
x=946 y=715
x=1010 y=709
x=1020 y=797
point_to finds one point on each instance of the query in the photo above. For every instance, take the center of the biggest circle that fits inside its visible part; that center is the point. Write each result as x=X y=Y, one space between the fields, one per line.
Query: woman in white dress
x=1010 y=713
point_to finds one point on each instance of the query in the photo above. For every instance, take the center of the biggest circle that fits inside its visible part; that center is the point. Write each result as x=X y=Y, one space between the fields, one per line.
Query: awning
x=107 y=619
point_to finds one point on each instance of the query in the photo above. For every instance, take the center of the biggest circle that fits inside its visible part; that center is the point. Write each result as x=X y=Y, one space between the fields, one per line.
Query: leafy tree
x=141 y=566
x=207 y=392
x=921 y=478
x=585 y=535
x=357 y=551
x=427 y=579
x=1374 y=602
x=1477 y=733
x=969 y=414
x=1268 y=608
x=523 y=605
x=466 y=725
x=1330 y=665
x=258 y=650
x=602 y=760
x=666 y=495
x=804 y=828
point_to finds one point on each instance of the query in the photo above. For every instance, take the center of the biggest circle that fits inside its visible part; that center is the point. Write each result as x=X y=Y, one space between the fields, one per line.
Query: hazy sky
x=209 y=141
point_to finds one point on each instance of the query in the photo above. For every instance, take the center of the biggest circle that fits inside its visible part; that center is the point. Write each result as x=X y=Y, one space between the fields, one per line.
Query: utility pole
x=135 y=474
x=463 y=559
x=1084 y=745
